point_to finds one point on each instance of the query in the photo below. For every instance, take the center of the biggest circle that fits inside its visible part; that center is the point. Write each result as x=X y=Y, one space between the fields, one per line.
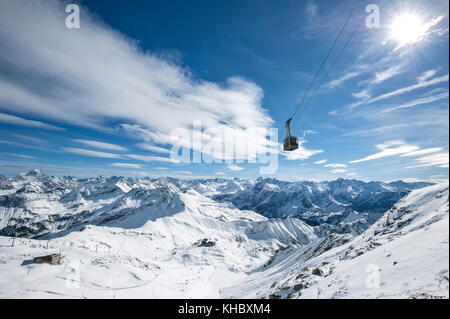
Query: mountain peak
x=35 y=172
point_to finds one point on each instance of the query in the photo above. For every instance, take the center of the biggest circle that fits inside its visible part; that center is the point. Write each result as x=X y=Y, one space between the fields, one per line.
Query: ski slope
x=166 y=241
x=137 y=256
x=405 y=254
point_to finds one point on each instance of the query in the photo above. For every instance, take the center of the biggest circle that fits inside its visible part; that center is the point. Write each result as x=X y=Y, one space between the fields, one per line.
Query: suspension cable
x=326 y=58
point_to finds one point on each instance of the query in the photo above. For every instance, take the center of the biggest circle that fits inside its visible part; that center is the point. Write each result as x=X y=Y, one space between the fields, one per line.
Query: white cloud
x=410 y=88
x=19 y=155
x=337 y=171
x=386 y=74
x=440 y=160
x=21 y=145
x=423 y=151
x=91 y=153
x=235 y=168
x=16 y=120
x=343 y=78
x=301 y=153
x=309 y=132
x=335 y=165
x=321 y=161
x=126 y=165
x=364 y=95
x=376 y=131
x=390 y=148
x=311 y=10
x=101 y=145
x=427 y=74
x=31 y=139
x=147 y=158
x=402 y=149
x=153 y=148
x=99 y=76
x=219 y=173
x=160 y=168
x=420 y=101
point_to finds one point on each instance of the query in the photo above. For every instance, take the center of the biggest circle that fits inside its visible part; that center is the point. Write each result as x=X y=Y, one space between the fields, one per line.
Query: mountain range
x=215 y=238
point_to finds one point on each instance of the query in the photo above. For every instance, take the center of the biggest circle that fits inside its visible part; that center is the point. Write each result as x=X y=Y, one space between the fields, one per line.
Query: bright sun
x=407 y=29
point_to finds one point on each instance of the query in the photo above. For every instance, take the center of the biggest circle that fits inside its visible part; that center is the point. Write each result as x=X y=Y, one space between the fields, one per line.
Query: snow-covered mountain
x=405 y=254
x=318 y=203
x=171 y=238
x=34 y=204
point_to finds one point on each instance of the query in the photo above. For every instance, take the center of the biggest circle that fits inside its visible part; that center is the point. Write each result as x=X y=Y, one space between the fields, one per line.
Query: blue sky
x=105 y=98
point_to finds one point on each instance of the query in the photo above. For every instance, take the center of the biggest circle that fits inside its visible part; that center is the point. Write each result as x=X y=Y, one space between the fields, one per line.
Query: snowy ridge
x=169 y=238
x=408 y=247
x=35 y=205
x=189 y=252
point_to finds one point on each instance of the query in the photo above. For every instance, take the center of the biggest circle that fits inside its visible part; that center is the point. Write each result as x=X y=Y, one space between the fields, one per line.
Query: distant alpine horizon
x=38 y=172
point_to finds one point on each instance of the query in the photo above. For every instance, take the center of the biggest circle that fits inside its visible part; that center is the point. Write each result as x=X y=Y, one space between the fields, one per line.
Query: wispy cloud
x=101 y=145
x=410 y=88
x=338 y=170
x=311 y=9
x=321 y=161
x=32 y=139
x=126 y=165
x=16 y=120
x=235 y=168
x=301 y=153
x=410 y=125
x=22 y=145
x=390 y=148
x=148 y=158
x=343 y=78
x=364 y=95
x=386 y=74
x=91 y=153
x=440 y=160
x=19 y=155
x=425 y=100
x=153 y=148
x=119 y=83
x=219 y=173
x=335 y=165
x=427 y=74
x=376 y=130
x=423 y=152
x=309 y=132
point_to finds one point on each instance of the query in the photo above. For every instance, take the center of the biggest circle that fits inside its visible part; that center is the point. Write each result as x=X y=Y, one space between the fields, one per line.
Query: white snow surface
x=140 y=256
x=166 y=241
x=407 y=250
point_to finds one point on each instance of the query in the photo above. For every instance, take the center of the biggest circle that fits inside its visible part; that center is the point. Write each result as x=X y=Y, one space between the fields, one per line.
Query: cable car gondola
x=290 y=142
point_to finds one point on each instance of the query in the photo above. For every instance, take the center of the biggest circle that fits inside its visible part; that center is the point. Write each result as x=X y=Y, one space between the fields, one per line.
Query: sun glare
x=407 y=29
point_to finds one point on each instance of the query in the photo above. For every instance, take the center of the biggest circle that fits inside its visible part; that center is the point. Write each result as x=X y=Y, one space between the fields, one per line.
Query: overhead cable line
x=326 y=58
x=333 y=64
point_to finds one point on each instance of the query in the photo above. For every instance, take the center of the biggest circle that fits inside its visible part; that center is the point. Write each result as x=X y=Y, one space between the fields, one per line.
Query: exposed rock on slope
x=405 y=254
